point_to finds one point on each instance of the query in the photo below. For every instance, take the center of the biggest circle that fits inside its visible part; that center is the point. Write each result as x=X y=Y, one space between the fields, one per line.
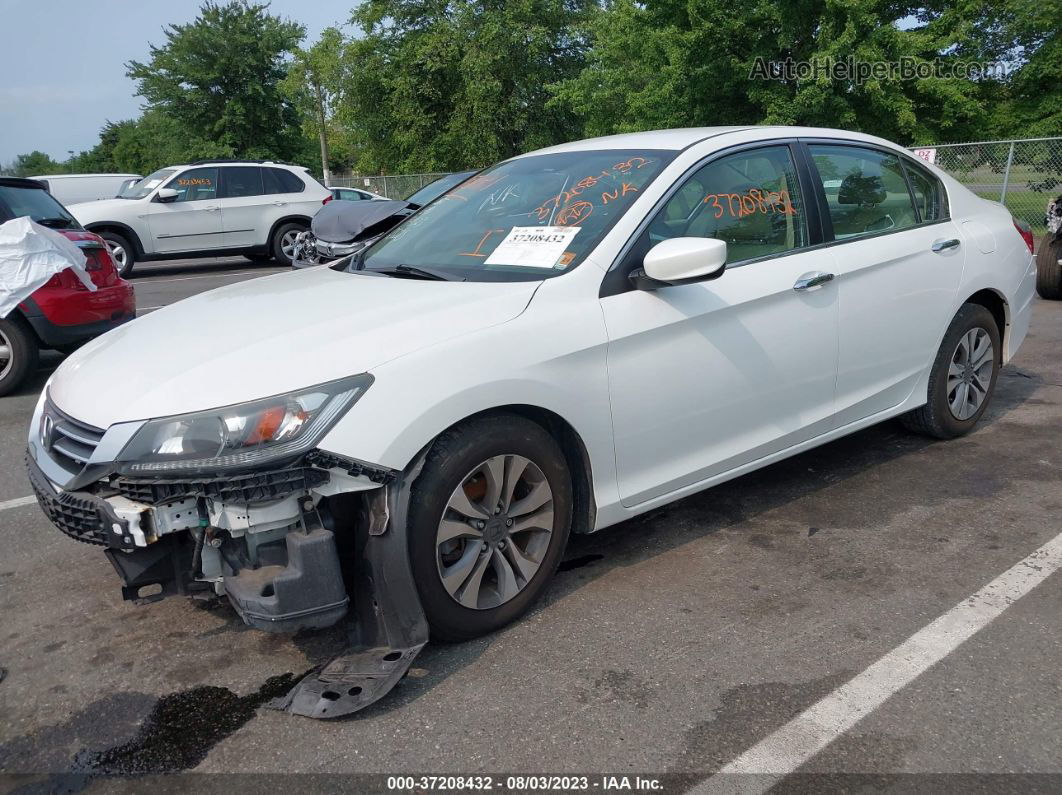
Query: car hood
x=102 y=210
x=267 y=336
x=341 y=222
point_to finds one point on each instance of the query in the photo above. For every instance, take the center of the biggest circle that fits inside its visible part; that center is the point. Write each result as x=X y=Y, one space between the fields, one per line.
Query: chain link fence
x=393 y=186
x=1021 y=174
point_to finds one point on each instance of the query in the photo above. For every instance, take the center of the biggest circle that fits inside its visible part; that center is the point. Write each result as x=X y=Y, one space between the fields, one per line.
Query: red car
x=63 y=313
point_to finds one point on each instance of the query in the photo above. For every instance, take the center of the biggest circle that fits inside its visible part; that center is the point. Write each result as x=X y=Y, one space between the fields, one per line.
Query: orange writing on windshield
x=477 y=251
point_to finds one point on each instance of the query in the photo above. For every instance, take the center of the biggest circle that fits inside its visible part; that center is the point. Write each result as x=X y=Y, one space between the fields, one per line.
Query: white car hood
x=104 y=210
x=267 y=336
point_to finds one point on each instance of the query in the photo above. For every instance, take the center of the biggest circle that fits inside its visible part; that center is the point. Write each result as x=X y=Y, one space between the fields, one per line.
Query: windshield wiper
x=415 y=272
x=54 y=223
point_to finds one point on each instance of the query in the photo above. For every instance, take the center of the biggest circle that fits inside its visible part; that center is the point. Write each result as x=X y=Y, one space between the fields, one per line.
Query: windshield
x=138 y=190
x=38 y=204
x=437 y=187
x=524 y=219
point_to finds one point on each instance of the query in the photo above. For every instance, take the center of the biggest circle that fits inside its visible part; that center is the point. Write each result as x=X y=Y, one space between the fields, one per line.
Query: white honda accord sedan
x=566 y=340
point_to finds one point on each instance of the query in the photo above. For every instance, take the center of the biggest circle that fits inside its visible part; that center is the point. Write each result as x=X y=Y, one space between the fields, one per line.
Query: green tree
x=446 y=84
x=219 y=76
x=688 y=62
x=314 y=84
x=36 y=163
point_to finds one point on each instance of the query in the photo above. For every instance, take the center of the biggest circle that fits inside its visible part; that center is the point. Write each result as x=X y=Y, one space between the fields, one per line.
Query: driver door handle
x=811 y=280
x=944 y=245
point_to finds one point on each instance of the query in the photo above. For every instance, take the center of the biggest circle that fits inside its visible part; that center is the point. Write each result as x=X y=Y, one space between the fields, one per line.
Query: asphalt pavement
x=669 y=647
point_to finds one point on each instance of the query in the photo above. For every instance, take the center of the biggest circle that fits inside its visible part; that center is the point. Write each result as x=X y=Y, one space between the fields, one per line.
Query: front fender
x=550 y=359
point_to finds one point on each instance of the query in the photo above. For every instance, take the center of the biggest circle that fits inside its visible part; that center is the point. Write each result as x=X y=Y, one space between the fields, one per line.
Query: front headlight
x=243 y=435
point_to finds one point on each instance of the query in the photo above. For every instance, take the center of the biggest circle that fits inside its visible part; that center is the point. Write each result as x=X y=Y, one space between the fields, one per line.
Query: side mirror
x=166 y=195
x=681 y=260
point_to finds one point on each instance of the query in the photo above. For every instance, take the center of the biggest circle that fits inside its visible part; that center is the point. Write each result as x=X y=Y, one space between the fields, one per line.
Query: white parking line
x=17 y=503
x=796 y=742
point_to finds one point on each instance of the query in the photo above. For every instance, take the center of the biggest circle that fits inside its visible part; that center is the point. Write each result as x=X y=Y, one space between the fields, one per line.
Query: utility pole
x=322 y=133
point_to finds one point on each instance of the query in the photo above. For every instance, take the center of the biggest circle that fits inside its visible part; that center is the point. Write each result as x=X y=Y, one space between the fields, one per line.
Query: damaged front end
x=298 y=543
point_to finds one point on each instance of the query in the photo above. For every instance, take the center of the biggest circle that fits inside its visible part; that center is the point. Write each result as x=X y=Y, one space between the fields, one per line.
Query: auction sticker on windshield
x=533 y=246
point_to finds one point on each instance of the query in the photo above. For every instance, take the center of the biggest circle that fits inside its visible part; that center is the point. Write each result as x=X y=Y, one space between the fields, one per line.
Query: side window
x=928 y=193
x=749 y=199
x=277 y=180
x=242 y=181
x=865 y=190
x=196 y=184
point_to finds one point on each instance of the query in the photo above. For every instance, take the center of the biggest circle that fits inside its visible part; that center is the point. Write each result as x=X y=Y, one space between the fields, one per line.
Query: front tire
x=284 y=242
x=489 y=518
x=963 y=377
x=121 y=252
x=1049 y=268
x=18 y=353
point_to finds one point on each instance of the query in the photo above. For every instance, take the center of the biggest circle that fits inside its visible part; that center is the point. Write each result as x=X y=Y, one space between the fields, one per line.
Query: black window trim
x=829 y=240
x=615 y=280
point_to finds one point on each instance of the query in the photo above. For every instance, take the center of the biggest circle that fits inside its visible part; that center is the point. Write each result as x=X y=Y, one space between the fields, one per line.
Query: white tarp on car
x=30 y=254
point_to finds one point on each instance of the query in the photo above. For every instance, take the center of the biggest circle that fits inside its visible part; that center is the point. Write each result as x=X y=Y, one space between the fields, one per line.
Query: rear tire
x=284 y=242
x=1049 y=269
x=962 y=371
x=122 y=252
x=474 y=580
x=18 y=353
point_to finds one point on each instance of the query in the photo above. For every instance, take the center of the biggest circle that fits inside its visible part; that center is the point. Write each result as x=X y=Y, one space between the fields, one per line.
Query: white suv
x=207 y=208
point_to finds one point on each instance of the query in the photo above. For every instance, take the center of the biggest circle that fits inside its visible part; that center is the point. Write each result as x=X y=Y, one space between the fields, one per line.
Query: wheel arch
x=584 y=506
x=287 y=219
x=994 y=302
x=124 y=230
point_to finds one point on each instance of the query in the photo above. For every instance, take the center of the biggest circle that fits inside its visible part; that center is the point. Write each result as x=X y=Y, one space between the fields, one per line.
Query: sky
x=62 y=63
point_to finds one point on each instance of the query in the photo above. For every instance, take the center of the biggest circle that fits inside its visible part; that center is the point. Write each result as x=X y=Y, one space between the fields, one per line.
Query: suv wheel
x=488 y=522
x=121 y=252
x=18 y=353
x=963 y=377
x=284 y=242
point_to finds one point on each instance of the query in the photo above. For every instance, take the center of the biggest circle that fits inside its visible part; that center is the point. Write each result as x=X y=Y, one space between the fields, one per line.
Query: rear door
x=245 y=209
x=192 y=222
x=899 y=266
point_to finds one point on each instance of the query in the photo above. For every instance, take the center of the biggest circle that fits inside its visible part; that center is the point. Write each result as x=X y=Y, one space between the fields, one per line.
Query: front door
x=709 y=376
x=192 y=221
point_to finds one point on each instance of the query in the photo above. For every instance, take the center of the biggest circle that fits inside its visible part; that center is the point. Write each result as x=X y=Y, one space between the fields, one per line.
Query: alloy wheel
x=970 y=373
x=6 y=358
x=117 y=254
x=494 y=532
x=287 y=243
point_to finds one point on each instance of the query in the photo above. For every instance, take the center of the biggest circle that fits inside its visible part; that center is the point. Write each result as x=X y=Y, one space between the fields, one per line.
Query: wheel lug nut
x=508 y=522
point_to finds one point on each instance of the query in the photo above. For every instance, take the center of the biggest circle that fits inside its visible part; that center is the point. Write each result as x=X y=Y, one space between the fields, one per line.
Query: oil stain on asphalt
x=181 y=729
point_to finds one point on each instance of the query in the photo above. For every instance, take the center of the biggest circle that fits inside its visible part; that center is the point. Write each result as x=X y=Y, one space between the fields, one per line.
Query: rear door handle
x=811 y=280
x=944 y=245
x=280 y=204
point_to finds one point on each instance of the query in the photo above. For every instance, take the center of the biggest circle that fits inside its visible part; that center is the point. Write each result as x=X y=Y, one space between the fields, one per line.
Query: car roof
x=684 y=137
x=21 y=182
x=73 y=176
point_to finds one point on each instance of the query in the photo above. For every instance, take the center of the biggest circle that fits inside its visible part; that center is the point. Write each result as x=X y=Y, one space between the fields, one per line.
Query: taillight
x=325 y=201
x=1026 y=233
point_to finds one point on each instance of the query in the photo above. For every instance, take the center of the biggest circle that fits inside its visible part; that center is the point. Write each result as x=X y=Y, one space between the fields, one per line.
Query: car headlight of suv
x=243 y=435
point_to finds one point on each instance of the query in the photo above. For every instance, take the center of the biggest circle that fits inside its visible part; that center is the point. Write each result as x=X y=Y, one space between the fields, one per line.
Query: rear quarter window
x=277 y=180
